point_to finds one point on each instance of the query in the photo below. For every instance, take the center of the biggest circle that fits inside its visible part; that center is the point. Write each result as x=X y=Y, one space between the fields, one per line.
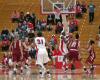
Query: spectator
x=78 y=12
x=59 y=27
x=38 y=25
x=43 y=24
x=5 y=44
x=21 y=17
x=84 y=7
x=75 y=24
x=33 y=18
x=12 y=35
x=30 y=26
x=28 y=17
x=15 y=16
x=49 y=27
x=50 y=19
x=71 y=26
x=91 y=7
x=5 y=32
x=78 y=3
x=58 y=17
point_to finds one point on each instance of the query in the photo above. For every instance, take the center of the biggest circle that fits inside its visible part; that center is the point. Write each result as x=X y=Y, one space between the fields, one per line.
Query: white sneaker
x=49 y=75
x=43 y=74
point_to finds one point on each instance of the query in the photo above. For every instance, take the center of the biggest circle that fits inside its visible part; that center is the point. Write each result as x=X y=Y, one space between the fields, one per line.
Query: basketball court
x=42 y=8
x=56 y=74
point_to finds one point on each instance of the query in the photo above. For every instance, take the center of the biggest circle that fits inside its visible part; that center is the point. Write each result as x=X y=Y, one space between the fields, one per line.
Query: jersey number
x=73 y=44
x=40 y=41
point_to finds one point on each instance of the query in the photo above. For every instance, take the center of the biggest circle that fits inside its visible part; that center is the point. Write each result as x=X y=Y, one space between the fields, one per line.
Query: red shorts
x=25 y=56
x=16 y=56
x=73 y=55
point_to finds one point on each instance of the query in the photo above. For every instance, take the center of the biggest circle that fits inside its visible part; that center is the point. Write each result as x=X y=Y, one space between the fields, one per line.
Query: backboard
x=65 y=6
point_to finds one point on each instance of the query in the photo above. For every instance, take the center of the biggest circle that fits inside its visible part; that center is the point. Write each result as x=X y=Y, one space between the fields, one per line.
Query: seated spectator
x=0 y=37
x=71 y=26
x=43 y=24
x=50 y=19
x=49 y=27
x=5 y=44
x=83 y=7
x=59 y=27
x=33 y=19
x=78 y=3
x=78 y=12
x=71 y=8
x=5 y=32
x=15 y=16
x=30 y=26
x=38 y=25
x=28 y=17
x=58 y=17
x=12 y=35
x=21 y=17
x=75 y=24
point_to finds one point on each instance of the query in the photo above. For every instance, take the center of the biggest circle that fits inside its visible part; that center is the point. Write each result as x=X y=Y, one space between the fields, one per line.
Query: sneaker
x=48 y=74
x=84 y=69
x=43 y=74
x=40 y=73
x=92 y=69
x=14 y=72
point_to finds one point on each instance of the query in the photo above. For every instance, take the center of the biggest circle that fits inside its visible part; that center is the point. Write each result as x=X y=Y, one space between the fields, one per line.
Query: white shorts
x=42 y=57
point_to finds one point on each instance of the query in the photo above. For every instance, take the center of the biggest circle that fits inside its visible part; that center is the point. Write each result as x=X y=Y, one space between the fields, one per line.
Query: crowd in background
x=28 y=23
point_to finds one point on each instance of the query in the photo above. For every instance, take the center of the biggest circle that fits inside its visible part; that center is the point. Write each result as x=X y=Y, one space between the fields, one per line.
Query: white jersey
x=42 y=55
x=63 y=45
x=40 y=42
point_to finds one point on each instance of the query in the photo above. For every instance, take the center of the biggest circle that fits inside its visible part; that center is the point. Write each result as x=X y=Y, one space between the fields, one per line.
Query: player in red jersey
x=74 y=47
x=91 y=57
x=16 y=52
x=26 y=59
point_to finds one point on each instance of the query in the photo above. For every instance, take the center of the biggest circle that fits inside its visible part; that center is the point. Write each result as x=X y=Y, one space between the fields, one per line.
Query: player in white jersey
x=64 y=38
x=42 y=56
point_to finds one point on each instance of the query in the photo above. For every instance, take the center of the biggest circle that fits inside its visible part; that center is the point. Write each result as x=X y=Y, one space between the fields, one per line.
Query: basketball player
x=91 y=57
x=73 y=54
x=42 y=56
x=63 y=45
x=17 y=52
x=26 y=59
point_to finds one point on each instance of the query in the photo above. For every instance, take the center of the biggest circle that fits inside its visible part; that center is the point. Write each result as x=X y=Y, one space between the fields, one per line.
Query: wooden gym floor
x=87 y=31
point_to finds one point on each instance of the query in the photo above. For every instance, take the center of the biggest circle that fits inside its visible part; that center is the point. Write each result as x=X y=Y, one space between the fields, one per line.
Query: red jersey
x=25 y=53
x=15 y=46
x=91 y=56
x=16 y=53
x=73 y=50
x=75 y=45
x=5 y=42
